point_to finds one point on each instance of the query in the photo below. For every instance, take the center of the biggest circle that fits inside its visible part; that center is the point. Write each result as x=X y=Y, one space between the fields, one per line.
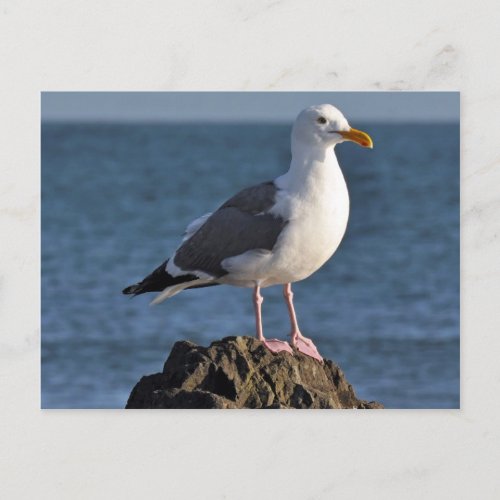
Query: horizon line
x=161 y=121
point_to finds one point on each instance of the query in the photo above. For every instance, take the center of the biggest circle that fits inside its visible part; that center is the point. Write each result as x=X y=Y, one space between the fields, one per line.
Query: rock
x=239 y=372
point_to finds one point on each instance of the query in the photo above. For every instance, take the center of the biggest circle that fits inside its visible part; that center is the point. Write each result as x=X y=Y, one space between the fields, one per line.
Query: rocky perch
x=239 y=372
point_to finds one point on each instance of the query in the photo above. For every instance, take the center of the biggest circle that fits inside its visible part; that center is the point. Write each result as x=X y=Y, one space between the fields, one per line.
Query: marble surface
x=238 y=45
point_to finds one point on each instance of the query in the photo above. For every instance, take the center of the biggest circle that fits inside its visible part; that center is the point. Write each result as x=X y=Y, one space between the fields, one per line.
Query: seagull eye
x=321 y=120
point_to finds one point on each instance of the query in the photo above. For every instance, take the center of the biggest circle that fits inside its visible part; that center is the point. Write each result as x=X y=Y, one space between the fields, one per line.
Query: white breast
x=318 y=213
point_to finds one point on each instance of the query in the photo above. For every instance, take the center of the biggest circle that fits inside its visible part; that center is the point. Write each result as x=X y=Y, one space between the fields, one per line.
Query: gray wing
x=239 y=225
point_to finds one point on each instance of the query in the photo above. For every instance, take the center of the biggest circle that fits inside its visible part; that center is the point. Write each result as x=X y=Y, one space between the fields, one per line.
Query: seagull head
x=325 y=126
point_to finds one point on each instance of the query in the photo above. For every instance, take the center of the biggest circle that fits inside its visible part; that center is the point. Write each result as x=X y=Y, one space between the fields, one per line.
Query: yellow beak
x=361 y=138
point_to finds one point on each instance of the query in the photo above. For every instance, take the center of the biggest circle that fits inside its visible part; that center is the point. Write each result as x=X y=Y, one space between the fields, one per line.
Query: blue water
x=116 y=198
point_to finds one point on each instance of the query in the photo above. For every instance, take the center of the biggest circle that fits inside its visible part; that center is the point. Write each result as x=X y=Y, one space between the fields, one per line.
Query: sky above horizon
x=246 y=106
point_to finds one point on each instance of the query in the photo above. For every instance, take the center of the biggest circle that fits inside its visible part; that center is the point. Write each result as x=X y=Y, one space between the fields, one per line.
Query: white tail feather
x=175 y=289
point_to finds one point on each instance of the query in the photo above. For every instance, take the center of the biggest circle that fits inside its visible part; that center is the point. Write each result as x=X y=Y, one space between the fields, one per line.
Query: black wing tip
x=157 y=281
x=131 y=290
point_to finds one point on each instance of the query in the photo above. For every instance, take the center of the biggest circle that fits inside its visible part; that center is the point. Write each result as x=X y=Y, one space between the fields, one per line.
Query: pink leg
x=301 y=343
x=274 y=345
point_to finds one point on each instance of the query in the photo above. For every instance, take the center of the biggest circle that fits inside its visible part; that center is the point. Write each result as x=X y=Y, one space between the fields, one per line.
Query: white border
x=239 y=45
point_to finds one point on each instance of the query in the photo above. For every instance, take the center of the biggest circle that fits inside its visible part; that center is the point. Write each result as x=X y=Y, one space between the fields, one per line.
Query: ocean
x=117 y=197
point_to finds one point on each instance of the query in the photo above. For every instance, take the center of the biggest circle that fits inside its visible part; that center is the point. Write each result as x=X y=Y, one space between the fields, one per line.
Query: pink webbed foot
x=276 y=346
x=307 y=347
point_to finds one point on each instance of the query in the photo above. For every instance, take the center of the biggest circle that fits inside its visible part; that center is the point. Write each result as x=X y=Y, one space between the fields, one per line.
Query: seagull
x=273 y=233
